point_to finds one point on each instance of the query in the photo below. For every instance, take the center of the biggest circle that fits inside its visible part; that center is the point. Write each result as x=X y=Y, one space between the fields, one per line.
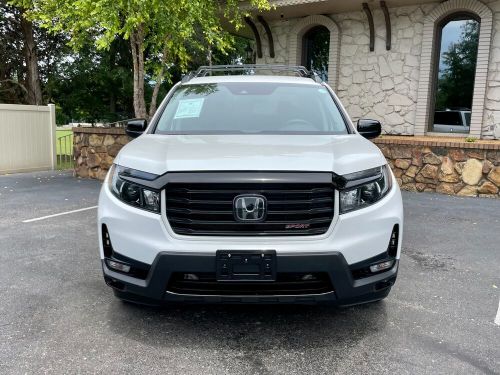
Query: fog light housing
x=381 y=266
x=118 y=266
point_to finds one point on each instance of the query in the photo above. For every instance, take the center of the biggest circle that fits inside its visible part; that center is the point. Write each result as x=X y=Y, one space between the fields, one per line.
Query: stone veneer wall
x=383 y=84
x=449 y=167
x=444 y=166
x=94 y=150
x=491 y=120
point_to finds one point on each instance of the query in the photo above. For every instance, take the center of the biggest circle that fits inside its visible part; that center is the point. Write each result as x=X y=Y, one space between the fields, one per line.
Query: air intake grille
x=286 y=284
x=206 y=209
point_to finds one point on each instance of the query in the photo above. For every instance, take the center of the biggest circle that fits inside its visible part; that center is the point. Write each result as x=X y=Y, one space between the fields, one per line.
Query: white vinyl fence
x=27 y=138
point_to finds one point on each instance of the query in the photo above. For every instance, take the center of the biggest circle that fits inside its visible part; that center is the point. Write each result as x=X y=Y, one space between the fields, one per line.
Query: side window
x=448 y=118
x=467 y=118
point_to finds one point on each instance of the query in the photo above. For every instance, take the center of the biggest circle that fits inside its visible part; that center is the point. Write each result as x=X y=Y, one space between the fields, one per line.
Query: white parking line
x=497 y=319
x=59 y=214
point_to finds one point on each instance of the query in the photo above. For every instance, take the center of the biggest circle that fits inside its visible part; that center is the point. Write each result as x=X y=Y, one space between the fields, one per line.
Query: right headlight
x=364 y=188
x=132 y=193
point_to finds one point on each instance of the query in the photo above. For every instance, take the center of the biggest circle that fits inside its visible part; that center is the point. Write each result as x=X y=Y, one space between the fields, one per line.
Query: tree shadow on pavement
x=248 y=327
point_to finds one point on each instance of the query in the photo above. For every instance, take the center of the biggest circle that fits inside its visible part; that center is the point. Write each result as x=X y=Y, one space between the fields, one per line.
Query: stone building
x=391 y=61
x=385 y=59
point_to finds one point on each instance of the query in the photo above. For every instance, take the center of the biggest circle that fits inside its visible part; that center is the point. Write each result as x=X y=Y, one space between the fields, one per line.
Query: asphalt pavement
x=58 y=316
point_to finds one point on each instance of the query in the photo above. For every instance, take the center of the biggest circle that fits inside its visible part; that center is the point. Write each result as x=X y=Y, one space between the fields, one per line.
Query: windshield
x=251 y=108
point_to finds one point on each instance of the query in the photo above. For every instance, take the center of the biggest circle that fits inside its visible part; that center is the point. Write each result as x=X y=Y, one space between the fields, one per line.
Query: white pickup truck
x=248 y=187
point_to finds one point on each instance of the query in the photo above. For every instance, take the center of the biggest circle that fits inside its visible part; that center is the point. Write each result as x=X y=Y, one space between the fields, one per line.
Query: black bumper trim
x=347 y=291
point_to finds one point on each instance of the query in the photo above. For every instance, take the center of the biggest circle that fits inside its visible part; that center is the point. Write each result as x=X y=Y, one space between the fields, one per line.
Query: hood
x=341 y=154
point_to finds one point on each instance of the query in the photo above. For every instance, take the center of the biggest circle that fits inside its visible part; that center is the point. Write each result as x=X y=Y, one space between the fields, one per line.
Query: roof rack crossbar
x=250 y=69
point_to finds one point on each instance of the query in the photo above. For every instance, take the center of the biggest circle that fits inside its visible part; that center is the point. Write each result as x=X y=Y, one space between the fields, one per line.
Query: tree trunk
x=112 y=103
x=159 y=81
x=209 y=55
x=137 y=45
x=112 y=62
x=156 y=91
x=34 y=91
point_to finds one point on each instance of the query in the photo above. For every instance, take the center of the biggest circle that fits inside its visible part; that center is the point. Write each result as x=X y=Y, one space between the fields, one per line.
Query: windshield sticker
x=322 y=91
x=189 y=108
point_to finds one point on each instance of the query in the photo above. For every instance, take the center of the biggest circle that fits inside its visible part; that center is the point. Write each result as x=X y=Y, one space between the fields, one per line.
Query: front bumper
x=346 y=290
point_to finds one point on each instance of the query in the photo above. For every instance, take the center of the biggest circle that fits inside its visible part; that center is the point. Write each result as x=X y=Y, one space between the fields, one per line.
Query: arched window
x=297 y=39
x=315 y=50
x=432 y=38
x=456 y=48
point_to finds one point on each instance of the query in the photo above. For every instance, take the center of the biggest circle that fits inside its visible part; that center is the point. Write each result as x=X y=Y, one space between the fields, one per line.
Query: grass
x=64 y=149
x=471 y=139
x=68 y=142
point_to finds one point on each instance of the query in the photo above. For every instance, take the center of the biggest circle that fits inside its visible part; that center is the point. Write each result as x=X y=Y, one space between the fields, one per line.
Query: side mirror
x=136 y=127
x=369 y=128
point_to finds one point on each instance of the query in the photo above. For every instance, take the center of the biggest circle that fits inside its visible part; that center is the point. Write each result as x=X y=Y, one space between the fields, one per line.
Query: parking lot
x=58 y=316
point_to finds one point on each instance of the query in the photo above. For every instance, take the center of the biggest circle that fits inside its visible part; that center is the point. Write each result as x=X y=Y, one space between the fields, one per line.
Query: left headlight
x=132 y=193
x=365 y=188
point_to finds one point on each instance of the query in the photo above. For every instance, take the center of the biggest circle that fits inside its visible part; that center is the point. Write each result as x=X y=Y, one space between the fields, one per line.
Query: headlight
x=132 y=193
x=365 y=193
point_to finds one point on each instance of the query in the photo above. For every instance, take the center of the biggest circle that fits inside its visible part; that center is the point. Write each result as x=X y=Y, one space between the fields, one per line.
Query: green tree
x=456 y=81
x=12 y=72
x=94 y=85
x=28 y=54
x=159 y=30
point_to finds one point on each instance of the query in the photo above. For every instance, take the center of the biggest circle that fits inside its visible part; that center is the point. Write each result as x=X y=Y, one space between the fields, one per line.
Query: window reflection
x=456 y=67
x=316 y=47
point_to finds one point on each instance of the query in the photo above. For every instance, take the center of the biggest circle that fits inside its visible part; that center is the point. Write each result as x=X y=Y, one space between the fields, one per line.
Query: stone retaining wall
x=94 y=150
x=448 y=166
x=444 y=166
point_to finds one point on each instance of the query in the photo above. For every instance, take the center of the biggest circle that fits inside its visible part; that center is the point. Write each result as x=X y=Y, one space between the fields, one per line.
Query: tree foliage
x=12 y=88
x=162 y=34
x=456 y=81
x=29 y=55
x=94 y=86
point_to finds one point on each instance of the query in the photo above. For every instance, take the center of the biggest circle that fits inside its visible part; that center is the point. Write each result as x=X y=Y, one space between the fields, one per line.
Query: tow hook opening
x=384 y=284
x=115 y=284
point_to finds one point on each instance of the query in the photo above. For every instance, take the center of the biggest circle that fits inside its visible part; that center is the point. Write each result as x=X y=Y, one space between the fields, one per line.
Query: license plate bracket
x=246 y=265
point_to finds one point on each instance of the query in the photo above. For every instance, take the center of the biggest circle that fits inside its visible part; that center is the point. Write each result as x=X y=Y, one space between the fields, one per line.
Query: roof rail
x=251 y=69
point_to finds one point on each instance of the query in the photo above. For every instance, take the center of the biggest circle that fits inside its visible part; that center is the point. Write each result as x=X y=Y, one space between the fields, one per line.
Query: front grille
x=206 y=209
x=285 y=284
